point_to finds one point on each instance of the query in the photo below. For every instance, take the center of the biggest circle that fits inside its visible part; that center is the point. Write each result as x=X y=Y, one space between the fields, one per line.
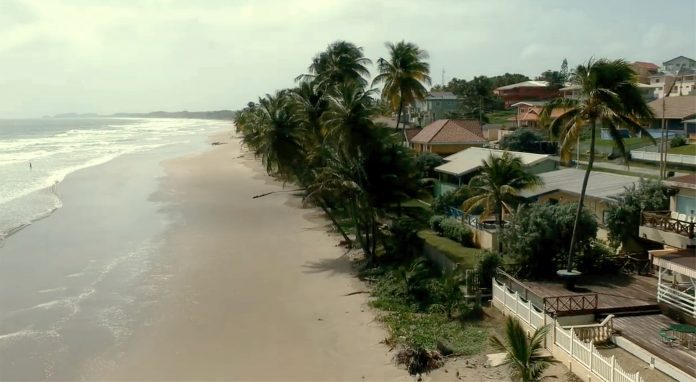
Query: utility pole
x=664 y=135
x=443 y=78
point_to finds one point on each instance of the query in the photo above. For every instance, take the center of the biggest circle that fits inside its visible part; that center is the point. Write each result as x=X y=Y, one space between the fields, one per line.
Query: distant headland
x=216 y=114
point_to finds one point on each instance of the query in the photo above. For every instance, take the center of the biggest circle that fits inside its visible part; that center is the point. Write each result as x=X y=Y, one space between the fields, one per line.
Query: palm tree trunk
x=340 y=229
x=582 y=196
x=398 y=115
x=499 y=217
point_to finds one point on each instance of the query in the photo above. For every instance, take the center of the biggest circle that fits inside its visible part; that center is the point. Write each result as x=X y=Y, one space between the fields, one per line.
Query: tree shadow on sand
x=334 y=266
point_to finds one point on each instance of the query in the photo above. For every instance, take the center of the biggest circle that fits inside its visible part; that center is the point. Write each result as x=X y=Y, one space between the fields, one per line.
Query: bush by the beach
x=423 y=309
x=678 y=141
x=487 y=267
x=455 y=230
x=401 y=239
x=538 y=236
x=435 y=223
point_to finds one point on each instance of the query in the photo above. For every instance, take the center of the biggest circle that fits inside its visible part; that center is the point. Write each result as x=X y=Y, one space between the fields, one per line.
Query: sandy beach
x=256 y=288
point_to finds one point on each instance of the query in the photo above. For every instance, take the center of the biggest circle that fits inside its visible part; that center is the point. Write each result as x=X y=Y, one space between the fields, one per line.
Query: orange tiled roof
x=450 y=131
x=676 y=107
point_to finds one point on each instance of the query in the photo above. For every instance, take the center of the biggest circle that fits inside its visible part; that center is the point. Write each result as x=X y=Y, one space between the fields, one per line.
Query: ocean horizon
x=37 y=154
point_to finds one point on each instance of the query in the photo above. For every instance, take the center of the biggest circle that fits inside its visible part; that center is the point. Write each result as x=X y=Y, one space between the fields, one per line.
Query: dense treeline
x=322 y=136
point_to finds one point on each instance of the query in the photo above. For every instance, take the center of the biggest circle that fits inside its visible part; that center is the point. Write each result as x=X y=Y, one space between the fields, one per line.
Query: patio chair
x=667 y=337
x=674 y=215
x=682 y=217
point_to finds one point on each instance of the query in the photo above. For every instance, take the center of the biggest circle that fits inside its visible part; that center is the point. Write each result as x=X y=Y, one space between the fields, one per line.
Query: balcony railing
x=670 y=221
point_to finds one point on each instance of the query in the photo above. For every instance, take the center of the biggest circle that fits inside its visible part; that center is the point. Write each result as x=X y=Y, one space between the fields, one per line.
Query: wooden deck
x=644 y=331
x=616 y=293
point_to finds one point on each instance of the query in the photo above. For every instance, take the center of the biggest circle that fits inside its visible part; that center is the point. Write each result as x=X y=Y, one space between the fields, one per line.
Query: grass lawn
x=468 y=258
x=501 y=116
x=684 y=150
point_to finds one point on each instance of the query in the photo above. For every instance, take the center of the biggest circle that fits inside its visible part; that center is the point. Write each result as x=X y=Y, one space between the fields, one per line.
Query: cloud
x=108 y=56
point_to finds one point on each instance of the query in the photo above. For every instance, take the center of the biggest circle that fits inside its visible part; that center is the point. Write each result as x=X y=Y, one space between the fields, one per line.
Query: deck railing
x=554 y=305
x=575 y=303
x=665 y=221
x=572 y=341
x=676 y=298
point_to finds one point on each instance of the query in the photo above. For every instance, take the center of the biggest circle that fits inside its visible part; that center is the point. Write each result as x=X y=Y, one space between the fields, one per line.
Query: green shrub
x=401 y=239
x=598 y=259
x=450 y=199
x=435 y=223
x=487 y=267
x=453 y=229
x=677 y=141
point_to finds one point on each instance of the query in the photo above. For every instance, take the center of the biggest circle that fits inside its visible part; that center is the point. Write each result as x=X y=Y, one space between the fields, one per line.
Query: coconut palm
x=403 y=75
x=610 y=96
x=497 y=186
x=275 y=136
x=522 y=354
x=348 y=120
x=341 y=63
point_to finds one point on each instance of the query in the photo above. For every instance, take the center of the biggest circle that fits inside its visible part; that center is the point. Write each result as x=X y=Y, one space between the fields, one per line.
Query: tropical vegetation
x=523 y=355
x=609 y=96
x=496 y=188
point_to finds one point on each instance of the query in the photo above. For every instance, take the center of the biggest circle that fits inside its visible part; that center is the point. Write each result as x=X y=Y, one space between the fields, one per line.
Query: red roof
x=451 y=131
x=646 y=65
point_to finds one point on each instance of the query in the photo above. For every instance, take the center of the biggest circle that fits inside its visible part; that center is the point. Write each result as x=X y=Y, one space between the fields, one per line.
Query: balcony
x=668 y=227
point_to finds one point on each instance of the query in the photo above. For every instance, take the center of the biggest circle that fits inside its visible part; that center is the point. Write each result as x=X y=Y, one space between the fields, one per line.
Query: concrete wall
x=650 y=359
x=442 y=262
x=484 y=239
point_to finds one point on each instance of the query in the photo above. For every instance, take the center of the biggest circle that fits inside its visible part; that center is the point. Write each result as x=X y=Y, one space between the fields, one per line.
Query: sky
x=107 y=56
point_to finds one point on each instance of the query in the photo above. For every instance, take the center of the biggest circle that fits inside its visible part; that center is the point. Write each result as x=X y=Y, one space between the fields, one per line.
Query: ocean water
x=37 y=154
x=75 y=285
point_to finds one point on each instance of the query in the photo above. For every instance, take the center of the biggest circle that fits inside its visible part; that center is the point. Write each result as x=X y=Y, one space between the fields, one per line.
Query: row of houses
x=634 y=314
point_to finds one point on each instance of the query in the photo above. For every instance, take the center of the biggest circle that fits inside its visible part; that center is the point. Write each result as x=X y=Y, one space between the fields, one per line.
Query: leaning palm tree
x=341 y=63
x=522 y=354
x=403 y=75
x=498 y=185
x=276 y=137
x=609 y=95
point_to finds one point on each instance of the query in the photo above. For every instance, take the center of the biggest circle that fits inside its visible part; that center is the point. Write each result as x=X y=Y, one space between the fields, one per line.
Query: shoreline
x=256 y=289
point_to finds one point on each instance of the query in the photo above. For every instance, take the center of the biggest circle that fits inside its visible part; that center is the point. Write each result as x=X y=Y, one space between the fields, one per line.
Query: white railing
x=655 y=157
x=676 y=298
x=596 y=332
x=566 y=339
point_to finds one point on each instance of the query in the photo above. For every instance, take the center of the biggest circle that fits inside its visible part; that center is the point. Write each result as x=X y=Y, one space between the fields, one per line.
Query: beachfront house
x=526 y=91
x=564 y=186
x=459 y=168
x=679 y=63
x=529 y=114
x=644 y=70
x=437 y=105
x=678 y=112
x=448 y=136
x=674 y=228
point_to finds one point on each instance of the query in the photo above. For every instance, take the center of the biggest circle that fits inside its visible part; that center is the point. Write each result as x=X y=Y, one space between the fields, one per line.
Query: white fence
x=585 y=353
x=671 y=158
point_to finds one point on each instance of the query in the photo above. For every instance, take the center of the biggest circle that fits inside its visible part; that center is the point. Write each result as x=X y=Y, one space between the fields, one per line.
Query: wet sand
x=255 y=290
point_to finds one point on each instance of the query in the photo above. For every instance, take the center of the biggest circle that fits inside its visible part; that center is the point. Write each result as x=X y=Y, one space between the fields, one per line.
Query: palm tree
x=341 y=63
x=497 y=186
x=403 y=76
x=523 y=355
x=275 y=136
x=610 y=95
x=348 y=120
